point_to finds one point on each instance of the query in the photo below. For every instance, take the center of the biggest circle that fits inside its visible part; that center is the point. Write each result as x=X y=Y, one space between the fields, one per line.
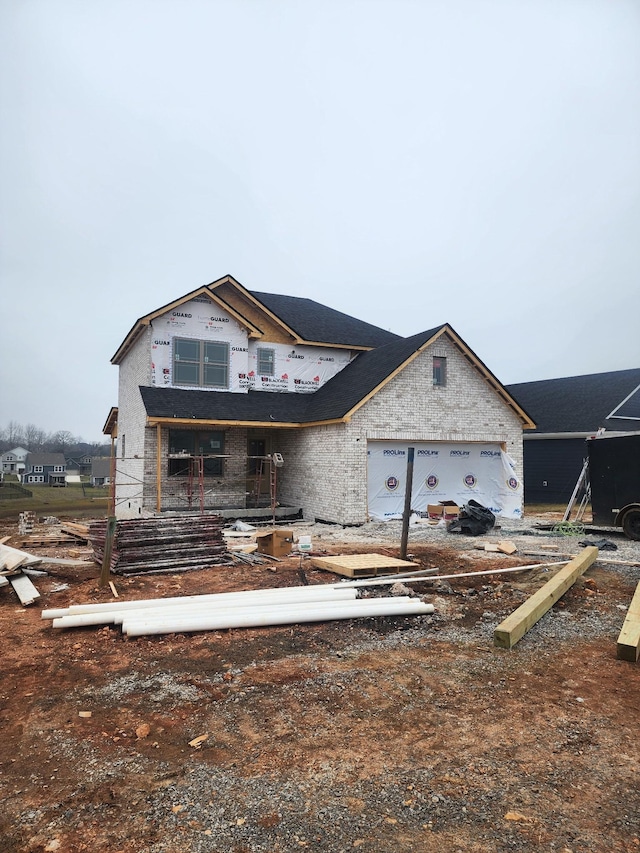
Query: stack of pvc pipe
x=250 y=608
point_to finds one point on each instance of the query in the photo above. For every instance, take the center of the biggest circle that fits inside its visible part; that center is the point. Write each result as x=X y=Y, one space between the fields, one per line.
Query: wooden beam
x=515 y=626
x=158 y=467
x=24 y=589
x=629 y=639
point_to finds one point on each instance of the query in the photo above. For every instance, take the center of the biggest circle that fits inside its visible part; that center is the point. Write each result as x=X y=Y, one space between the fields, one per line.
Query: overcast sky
x=475 y=162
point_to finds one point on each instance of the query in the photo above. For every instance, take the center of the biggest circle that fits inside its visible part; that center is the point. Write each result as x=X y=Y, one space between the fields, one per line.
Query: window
x=266 y=360
x=203 y=363
x=439 y=370
x=58 y=469
x=38 y=469
x=184 y=444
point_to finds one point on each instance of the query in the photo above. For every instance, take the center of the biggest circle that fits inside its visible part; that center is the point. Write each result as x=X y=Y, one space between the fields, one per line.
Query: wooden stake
x=629 y=639
x=407 y=505
x=108 y=547
x=515 y=626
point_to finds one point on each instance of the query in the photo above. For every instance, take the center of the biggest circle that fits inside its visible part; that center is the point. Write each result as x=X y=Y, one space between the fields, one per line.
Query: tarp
x=453 y=471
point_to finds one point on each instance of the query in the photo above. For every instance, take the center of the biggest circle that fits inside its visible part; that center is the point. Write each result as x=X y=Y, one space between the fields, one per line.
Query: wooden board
x=629 y=638
x=362 y=565
x=515 y=626
x=24 y=589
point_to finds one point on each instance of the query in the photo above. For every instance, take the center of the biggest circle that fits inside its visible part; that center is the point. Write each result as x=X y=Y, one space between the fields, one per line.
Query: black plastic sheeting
x=474 y=520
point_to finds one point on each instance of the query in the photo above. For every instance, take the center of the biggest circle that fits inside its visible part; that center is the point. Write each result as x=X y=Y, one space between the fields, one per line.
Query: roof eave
x=144 y=322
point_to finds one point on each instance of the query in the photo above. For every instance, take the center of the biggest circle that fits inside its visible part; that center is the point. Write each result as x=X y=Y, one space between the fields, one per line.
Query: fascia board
x=145 y=321
x=527 y=422
x=256 y=302
x=388 y=378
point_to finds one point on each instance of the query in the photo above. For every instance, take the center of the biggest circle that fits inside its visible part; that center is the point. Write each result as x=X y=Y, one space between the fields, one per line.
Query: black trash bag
x=600 y=544
x=474 y=520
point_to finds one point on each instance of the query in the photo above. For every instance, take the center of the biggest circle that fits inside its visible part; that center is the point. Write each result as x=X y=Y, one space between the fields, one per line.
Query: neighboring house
x=214 y=384
x=566 y=412
x=13 y=461
x=80 y=465
x=45 y=469
x=100 y=471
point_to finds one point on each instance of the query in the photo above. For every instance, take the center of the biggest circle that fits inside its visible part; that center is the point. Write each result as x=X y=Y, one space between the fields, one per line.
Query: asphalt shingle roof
x=313 y=321
x=333 y=400
x=580 y=403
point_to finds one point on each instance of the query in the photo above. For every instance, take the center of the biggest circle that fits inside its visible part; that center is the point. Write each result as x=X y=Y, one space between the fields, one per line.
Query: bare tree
x=35 y=438
x=61 y=440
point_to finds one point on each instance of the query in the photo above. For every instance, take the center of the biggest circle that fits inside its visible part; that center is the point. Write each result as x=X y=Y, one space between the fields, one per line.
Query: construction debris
x=24 y=589
x=170 y=543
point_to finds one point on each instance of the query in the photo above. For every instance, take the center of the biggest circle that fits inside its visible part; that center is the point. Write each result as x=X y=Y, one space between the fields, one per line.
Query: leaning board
x=362 y=565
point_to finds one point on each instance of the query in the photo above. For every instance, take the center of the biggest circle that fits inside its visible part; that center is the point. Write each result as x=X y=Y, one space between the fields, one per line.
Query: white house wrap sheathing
x=453 y=471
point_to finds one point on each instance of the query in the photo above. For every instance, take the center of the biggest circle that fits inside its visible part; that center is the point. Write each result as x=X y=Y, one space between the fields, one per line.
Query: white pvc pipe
x=173 y=615
x=283 y=615
x=298 y=592
x=192 y=605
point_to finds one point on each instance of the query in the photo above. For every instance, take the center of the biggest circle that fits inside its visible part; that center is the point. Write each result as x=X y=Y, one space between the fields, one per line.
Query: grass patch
x=75 y=500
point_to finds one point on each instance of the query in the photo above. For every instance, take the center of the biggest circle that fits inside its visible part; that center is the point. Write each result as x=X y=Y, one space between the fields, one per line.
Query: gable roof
x=582 y=404
x=307 y=322
x=316 y=323
x=335 y=401
x=46 y=459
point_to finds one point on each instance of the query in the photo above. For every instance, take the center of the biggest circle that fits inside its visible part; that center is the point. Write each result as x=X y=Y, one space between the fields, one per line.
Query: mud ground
x=386 y=734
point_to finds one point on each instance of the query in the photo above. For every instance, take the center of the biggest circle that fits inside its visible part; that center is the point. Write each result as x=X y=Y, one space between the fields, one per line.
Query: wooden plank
x=3 y=581
x=24 y=589
x=12 y=558
x=361 y=565
x=515 y=626
x=629 y=638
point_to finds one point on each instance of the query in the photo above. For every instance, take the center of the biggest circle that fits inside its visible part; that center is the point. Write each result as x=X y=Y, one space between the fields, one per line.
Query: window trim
x=439 y=366
x=272 y=361
x=202 y=363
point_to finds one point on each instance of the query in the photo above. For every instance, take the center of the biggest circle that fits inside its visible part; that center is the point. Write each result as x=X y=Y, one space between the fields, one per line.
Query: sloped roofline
x=210 y=291
x=345 y=416
x=206 y=290
x=621 y=404
x=472 y=358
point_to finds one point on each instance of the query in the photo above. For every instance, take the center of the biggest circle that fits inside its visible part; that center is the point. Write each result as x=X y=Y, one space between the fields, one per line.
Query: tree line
x=38 y=440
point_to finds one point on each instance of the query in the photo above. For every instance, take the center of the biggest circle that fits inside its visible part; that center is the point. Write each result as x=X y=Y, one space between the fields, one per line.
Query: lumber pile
x=167 y=544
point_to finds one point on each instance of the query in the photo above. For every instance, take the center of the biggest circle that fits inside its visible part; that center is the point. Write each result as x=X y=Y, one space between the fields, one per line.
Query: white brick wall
x=326 y=467
x=135 y=370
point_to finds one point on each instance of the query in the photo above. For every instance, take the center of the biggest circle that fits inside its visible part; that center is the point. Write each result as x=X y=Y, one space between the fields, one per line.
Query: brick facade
x=326 y=466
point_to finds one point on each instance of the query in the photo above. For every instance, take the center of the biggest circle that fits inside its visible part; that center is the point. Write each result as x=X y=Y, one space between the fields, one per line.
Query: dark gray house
x=45 y=469
x=566 y=412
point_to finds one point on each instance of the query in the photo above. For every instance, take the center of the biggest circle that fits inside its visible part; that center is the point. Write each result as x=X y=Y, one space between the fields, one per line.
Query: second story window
x=38 y=469
x=439 y=370
x=201 y=363
x=266 y=360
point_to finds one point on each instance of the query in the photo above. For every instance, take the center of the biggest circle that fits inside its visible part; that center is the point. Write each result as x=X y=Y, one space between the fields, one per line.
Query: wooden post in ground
x=407 y=505
x=515 y=626
x=108 y=548
x=629 y=639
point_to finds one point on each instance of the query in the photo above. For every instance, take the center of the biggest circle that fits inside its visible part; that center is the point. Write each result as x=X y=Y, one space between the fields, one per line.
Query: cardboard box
x=447 y=510
x=276 y=543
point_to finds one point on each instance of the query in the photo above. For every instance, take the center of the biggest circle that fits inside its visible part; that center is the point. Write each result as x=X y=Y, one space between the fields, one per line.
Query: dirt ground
x=384 y=734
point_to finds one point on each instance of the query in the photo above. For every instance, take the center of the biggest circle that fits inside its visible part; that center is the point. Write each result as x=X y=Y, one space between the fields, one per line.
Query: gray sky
x=475 y=162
